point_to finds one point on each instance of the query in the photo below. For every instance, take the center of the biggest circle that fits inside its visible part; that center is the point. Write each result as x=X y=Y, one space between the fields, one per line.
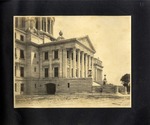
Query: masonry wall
x=36 y=86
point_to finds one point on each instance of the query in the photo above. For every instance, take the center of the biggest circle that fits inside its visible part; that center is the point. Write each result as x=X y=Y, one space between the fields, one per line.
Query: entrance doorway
x=51 y=88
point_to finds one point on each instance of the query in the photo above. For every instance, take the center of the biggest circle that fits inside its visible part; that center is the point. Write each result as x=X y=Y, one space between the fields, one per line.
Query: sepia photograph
x=72 y=61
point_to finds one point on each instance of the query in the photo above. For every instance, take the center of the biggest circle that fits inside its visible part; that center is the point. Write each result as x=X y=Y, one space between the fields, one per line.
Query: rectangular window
x=22 y=87
x=55 y=54
x=15 y=87
x=72 y=56
x=15 y=70
x=34 y=69
x=67 y=54
x=76 y=72
x=76 y=58
x=46 y=72
x=46 y=55
x=15 y=53
x=56 y=72
x=35 y=85
x=22 y=54
x=22 y=71
x=72 y=72
x=34 y=55
x=21 y=37
x=68 y=85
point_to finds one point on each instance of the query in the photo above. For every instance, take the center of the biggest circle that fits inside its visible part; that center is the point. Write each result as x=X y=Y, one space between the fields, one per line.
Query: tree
x=126 y=80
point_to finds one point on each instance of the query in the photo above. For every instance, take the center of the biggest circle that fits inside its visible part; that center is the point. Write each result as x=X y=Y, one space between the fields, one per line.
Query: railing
x=98 y=62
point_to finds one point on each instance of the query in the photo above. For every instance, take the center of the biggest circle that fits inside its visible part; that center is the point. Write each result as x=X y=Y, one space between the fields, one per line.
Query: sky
x=110 y=35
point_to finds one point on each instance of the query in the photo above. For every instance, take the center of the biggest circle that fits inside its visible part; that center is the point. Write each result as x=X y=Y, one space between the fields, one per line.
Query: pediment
x=86 y=42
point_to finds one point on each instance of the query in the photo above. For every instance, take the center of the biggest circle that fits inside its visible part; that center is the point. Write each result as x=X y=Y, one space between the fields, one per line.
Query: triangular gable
x=86 y=42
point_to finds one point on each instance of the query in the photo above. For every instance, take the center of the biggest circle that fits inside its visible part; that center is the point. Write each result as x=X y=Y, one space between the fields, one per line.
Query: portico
x=79 y=62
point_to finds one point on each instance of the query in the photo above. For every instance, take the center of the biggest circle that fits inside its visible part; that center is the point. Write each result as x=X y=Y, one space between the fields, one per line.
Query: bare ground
x=73 y=101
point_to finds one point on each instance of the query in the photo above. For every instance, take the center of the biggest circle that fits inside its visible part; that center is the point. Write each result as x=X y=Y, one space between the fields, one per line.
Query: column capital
x=74 y=48
x=85 y=54
x=78 y=50
x=89 y=55
x=82 y=52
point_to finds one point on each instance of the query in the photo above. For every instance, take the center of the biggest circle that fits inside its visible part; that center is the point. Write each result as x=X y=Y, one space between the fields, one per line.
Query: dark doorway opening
x=51 y=88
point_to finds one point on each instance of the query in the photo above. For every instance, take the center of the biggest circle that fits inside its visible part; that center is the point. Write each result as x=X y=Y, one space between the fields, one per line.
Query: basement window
x=68 y=85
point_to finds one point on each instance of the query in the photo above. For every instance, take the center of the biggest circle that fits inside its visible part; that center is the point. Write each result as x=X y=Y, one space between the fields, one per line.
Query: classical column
x=86 y=66
x=70 y=60
x=89 y=62
x=46 y=25
x=40 y=26
x=50 y=26
x=52 y=23
x=96 y=74
x=78 y=63
x=92 y=60
x=64 y=63
x=82 y=64
x=74 y=62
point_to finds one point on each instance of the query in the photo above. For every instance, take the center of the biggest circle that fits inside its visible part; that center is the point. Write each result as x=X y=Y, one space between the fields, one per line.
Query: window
x=22 y=87
x=35 y=85
x=76 y=72
x=46 y=55
x=67 y=54
x=15 y=87
x=56 y=72
x=15 y=70
x=21 y=54
x=46 y=72
x=55 y=54
x=72 y=72
x=72 y=56
x=34 y=69
x=76 y=58
x=34 y=55
x=15 y=35
x=21 y=37
x=68 y=85
x=15 y=53
x=22 y=71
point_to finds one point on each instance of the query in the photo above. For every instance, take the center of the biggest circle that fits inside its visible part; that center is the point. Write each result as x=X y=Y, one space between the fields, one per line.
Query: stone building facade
x=44 y=64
